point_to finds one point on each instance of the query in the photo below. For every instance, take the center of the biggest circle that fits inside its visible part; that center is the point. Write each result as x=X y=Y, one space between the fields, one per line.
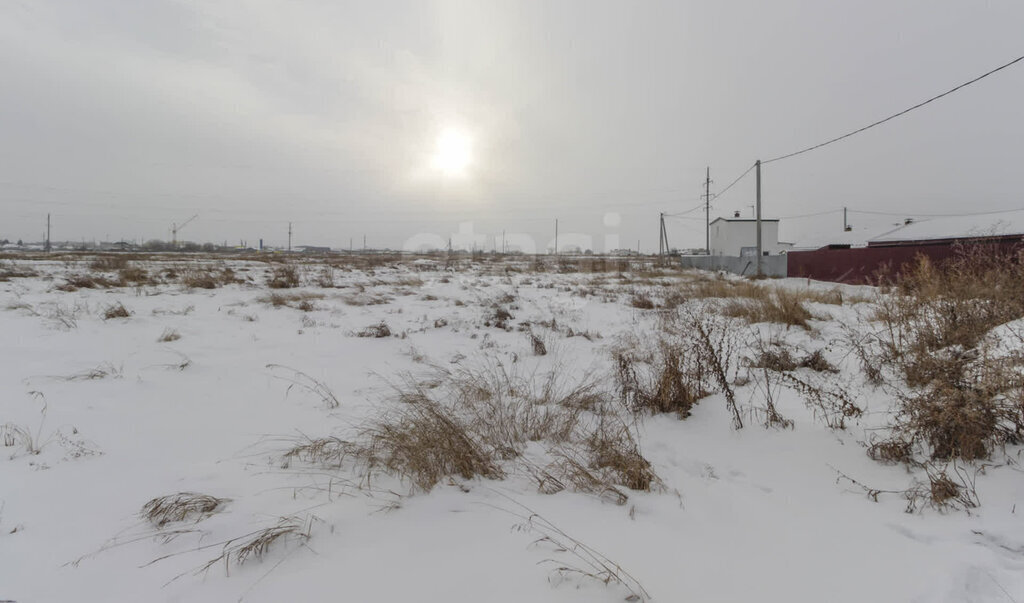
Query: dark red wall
x=865 y=265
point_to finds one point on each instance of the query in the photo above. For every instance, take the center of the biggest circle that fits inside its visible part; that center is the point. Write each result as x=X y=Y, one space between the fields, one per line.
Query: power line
x=895 y=115
x=733 y=183
x=714 y=197
x=683 y=213
x=820 y=213
x=898 y=214
x=961 y=215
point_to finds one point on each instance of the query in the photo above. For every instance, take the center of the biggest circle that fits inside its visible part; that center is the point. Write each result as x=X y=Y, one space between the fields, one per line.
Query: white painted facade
x=738 y=237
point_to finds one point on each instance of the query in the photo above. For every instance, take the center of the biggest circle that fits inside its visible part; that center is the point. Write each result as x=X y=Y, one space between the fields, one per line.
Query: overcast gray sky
x=120 y=117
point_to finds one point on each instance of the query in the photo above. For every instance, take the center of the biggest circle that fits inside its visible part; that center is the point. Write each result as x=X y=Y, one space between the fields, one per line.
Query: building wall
x=871 y=265
x=728 y=237
x=773 y=266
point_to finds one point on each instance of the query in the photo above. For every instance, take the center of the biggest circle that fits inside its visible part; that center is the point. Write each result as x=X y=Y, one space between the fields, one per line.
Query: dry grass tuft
x=690 y=355
x=196 y=278
x=9 y=270
x=722 y=288
x=960 y=421
x=539 y=348
x=305 y=383
x=665 y=380
x=642 y=301
x=776 y=306
x=377 y=331
x=944 y=488
x=478 y=422
x=12 y=435
x=328 y=452
x=424 y=442
x=133 y=275
x=73 y=282
x=283 y=277
x=169 y=335
x=102 y=371
x=570 y=472
x=183 y=506
x=961 y=400
x=257 y=544
x=585 y=561
x=116 y=310
x=499 y=318
x=780 y=359
x=614 y=450
x=300 y=301
x=830 y=402
x=891 y=451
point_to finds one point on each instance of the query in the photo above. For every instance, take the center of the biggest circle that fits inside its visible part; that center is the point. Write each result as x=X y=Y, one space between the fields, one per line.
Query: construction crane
x=176 y=227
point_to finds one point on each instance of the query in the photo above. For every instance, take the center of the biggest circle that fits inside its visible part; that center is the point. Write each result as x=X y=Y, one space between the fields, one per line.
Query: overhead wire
x=733 y=183
x=894 y=115
x=923 y=215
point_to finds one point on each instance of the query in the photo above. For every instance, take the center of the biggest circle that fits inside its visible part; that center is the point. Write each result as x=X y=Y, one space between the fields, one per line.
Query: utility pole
x=846 y=225
x=759 y=271
x=47 y=233
x=663 y=248
x=556 y=236
x=364 y=242
x=661 y=233
x=350 y=244
x=707 y=212
x=289 y=236
x=504 y=249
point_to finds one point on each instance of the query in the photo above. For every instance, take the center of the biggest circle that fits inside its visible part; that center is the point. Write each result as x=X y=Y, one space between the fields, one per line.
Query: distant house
x=314 y=249
x=116 y=246
x=947 y=230
x=737 y=237
x=886 y=254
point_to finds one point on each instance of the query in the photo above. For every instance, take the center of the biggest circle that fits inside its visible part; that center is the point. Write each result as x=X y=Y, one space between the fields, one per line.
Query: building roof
x=744 y=220
x=995 y=224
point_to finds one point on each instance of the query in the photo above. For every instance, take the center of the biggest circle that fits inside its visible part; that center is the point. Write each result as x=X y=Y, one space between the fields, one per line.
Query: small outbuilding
x=737 y=237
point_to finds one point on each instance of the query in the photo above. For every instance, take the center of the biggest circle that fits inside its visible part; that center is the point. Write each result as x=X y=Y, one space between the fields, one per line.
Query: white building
x=737 y=237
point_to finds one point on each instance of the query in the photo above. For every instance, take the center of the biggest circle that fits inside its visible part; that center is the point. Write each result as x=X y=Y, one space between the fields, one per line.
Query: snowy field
x=293 y=411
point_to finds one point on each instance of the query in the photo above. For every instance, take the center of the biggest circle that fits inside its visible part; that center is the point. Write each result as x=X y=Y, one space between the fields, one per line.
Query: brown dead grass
x=666 y=379
x=283 y=276
x=959 y=400
x=116 y=310
x=73 y=282
x=298 y=300
x=183 y=506
x=478 y=422
x=777 y=306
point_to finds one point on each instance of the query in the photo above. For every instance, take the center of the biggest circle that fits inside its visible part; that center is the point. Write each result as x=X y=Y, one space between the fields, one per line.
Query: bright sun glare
x=453 y=152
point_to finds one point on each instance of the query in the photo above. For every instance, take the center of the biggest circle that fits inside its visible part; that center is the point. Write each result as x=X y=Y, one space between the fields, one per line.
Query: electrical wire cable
x=815 y=214
x=895 y=115
x=733 y=183
x=683 y=213
x=920 y=215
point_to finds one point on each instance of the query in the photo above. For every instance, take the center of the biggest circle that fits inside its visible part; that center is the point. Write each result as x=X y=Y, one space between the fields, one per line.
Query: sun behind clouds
x=453 y=153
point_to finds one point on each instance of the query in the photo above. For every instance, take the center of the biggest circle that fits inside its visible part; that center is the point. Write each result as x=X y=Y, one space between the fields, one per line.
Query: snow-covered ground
x=117 y=418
